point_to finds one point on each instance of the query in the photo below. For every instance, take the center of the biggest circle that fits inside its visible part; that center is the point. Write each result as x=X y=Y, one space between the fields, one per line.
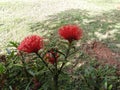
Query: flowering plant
x=54 y=64
x=32 y=44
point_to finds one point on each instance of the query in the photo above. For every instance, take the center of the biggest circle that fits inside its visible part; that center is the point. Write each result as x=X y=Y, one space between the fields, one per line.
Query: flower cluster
x=70 y=32
x=52 y=56
x=31 y=44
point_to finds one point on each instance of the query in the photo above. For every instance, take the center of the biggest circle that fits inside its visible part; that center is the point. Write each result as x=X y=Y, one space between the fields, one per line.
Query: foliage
x=25 y=71
x=93 y=76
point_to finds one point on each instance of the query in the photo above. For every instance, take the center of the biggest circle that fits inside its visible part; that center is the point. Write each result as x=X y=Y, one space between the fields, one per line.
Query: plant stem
x=96 y=88
x=66 y=56
x=44 y=63
x=55 y=79
x=24 y=65
x=60 y=52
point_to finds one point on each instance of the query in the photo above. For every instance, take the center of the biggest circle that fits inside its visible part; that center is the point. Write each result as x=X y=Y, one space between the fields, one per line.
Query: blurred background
x=100 y=19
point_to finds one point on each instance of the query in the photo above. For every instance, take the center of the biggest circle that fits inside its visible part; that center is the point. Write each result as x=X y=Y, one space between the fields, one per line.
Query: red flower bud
x=52 y=56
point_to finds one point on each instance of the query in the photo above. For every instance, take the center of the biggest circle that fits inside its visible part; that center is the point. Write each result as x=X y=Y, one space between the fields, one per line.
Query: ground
x=99 y=18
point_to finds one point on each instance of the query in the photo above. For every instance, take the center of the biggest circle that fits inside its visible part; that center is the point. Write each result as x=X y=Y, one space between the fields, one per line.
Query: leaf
x=19 y=65
x=10 y=88
x=2 y=68
x=106 y=85
x=31 y=72
x=13 y=44
x=27 y=87
x=110 y=87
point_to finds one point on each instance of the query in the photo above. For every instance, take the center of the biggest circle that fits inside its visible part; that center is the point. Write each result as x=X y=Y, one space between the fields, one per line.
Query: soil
x=102 y=53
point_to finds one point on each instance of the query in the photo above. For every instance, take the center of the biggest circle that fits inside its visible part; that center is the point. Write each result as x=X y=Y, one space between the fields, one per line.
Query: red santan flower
x=70 y=32
x=51 y=57
x=31 y=44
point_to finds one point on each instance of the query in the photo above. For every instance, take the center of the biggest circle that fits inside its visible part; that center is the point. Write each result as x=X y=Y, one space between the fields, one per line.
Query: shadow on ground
x=104 y=27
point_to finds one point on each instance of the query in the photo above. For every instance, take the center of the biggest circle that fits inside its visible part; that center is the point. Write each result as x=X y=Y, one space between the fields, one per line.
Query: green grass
x=104 y=27
x=20 y=18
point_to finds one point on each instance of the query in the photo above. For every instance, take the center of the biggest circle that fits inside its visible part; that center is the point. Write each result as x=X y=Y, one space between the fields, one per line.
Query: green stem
x=66 y=56
x=44 y=63
x=55 y=79
x=24 y=66
x=60 y=52
x=96 y=88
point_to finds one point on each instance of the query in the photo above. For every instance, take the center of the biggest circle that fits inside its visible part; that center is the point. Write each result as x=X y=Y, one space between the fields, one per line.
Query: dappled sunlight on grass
x=103 y=27
x=19 y=18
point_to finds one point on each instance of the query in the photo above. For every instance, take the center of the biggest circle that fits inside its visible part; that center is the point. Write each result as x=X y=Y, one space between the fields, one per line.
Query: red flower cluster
x=70 y=32
x=31 y=44
x=52 y=56
x=36 y=83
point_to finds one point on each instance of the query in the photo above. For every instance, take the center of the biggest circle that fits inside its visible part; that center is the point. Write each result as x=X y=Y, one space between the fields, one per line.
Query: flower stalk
x=44 y=63
x=66 y=56
x=55 y=81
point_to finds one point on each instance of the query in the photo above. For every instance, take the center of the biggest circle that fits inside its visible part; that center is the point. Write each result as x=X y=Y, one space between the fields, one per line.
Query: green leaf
x=27 y=87
x=10 y=88
x=19 y=65
x=106 y=85
x=13 y=44
x=2 y=68
x=110 y=87
x=31 y=72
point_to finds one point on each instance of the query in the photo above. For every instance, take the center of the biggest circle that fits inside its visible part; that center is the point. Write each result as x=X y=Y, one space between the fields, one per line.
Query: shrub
x=36 y=64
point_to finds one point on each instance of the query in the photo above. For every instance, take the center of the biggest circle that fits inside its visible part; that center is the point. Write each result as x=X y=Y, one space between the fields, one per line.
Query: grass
x=104 y=27
x=98 y=18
